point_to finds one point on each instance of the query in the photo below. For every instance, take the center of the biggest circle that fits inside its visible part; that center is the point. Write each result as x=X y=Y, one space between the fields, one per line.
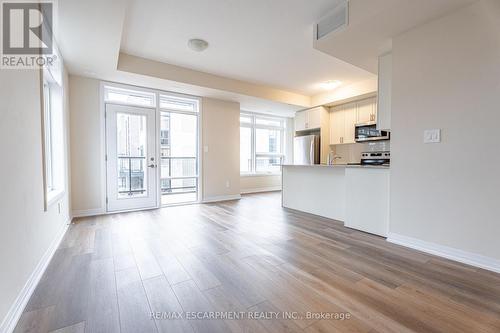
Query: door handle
x=152 y=166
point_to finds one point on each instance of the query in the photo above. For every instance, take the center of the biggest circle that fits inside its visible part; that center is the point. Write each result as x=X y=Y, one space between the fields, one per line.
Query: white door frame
x=103 y=171
x=114 y=202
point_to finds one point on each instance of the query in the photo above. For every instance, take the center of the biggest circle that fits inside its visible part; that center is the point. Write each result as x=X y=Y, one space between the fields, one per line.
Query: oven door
x=365 y=133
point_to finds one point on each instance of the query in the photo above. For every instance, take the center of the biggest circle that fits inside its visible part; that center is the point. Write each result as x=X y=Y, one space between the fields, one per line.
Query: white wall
x=221 y=135
x=265 y=183
x=86 y=141
x=26 y=230
x=447 y=75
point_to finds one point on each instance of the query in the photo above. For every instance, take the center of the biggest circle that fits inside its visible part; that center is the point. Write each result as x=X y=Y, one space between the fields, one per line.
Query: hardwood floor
x=251 y=256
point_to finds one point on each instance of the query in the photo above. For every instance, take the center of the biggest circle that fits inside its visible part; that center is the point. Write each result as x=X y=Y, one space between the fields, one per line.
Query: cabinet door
x=350 y=119
x=337 y=125
x=375 y=108
x=365 y=111
x=300 y=121
x=313 y=118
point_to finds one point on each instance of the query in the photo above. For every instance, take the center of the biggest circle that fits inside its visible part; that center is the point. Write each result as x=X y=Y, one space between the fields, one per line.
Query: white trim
x=88 y=212
x=222 y=198
x=54 y=196
x=261 y=189
x=200 y=151
x=102 y=117
x=465 y=257
x=16 y=310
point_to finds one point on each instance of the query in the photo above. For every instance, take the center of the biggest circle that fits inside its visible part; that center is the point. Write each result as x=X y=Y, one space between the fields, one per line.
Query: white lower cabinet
x=367 y=200
x=357 y=196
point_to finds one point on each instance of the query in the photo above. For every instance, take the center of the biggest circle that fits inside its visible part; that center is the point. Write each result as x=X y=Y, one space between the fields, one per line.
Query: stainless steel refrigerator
x=306 y=150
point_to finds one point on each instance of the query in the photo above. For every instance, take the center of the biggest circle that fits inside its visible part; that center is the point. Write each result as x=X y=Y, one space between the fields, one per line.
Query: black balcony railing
x=179 y=174
x=131 y=174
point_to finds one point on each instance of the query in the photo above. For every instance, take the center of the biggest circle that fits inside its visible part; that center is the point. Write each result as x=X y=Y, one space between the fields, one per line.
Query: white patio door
x=131 y=157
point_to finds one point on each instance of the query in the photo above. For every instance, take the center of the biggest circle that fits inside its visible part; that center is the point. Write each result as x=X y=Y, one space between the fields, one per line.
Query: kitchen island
x=356 y=195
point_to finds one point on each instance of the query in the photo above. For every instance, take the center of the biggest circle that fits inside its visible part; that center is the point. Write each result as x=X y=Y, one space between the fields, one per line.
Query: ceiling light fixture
x=197 y=45
x=330 y=85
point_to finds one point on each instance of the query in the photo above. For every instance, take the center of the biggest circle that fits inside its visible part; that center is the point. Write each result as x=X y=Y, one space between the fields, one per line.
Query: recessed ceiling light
x=197 y=45
x=330 y=85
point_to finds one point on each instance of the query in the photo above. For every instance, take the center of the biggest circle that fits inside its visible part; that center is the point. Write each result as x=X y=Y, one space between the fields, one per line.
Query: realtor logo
x=26 y=34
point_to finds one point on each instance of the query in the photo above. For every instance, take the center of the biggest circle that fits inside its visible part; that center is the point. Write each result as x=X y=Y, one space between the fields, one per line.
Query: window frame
x=254 y=154
x=48 y=139
x=130 y=91
x=53 y=133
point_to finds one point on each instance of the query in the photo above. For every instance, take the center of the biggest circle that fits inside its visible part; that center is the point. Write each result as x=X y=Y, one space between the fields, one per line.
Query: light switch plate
x=432 y=136
x=205 y=149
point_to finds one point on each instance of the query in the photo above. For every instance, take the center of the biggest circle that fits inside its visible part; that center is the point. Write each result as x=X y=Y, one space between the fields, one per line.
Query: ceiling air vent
x=337 y=19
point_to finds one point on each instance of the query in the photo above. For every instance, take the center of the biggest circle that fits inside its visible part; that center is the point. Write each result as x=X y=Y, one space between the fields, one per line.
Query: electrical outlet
x=227 y=183
x=432 y=136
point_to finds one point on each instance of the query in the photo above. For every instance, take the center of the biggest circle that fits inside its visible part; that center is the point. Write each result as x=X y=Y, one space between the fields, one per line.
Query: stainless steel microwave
x=370 y=132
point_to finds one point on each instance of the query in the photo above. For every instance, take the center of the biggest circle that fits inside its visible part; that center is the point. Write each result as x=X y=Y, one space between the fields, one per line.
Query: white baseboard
x=10 y=321
x=261 y=189
x=88 y=212
x=447 y=252
x=222 y=198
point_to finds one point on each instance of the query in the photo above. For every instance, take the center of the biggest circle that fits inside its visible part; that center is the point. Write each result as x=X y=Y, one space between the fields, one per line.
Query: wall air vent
x=336 y=20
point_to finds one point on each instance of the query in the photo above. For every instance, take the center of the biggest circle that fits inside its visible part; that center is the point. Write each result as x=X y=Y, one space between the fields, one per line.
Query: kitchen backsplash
x=351 y=153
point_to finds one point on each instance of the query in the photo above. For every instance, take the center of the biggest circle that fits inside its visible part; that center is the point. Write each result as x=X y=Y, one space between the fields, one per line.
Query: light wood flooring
x=251 y=256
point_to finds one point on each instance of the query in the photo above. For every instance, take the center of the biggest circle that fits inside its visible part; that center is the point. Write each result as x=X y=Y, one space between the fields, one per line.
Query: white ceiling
x=373 y=24
x=261 y=41
x=267 y=42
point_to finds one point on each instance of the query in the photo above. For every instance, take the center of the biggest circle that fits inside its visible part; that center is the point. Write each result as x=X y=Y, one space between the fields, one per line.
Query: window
x=49 y=172
x=127 y=96
x=261 y=144
x=178 y=103
x=53 y=139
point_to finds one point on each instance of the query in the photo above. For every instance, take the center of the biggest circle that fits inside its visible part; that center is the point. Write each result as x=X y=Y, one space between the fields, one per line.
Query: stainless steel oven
x=370 y=132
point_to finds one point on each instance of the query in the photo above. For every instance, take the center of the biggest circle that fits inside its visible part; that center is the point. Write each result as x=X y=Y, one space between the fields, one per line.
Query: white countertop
x=339 y=166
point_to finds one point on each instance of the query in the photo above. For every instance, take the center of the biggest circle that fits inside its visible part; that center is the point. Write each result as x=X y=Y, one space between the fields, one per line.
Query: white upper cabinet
x=384 y=92
x=367 y=111
x=342 y=123
x=309 y=119
x=337 y=128
x=350 y=119
x=314 y=118
x=300 y=120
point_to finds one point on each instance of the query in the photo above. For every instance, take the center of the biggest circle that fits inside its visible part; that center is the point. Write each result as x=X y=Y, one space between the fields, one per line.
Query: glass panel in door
x=131 y=165
x=132 y=154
